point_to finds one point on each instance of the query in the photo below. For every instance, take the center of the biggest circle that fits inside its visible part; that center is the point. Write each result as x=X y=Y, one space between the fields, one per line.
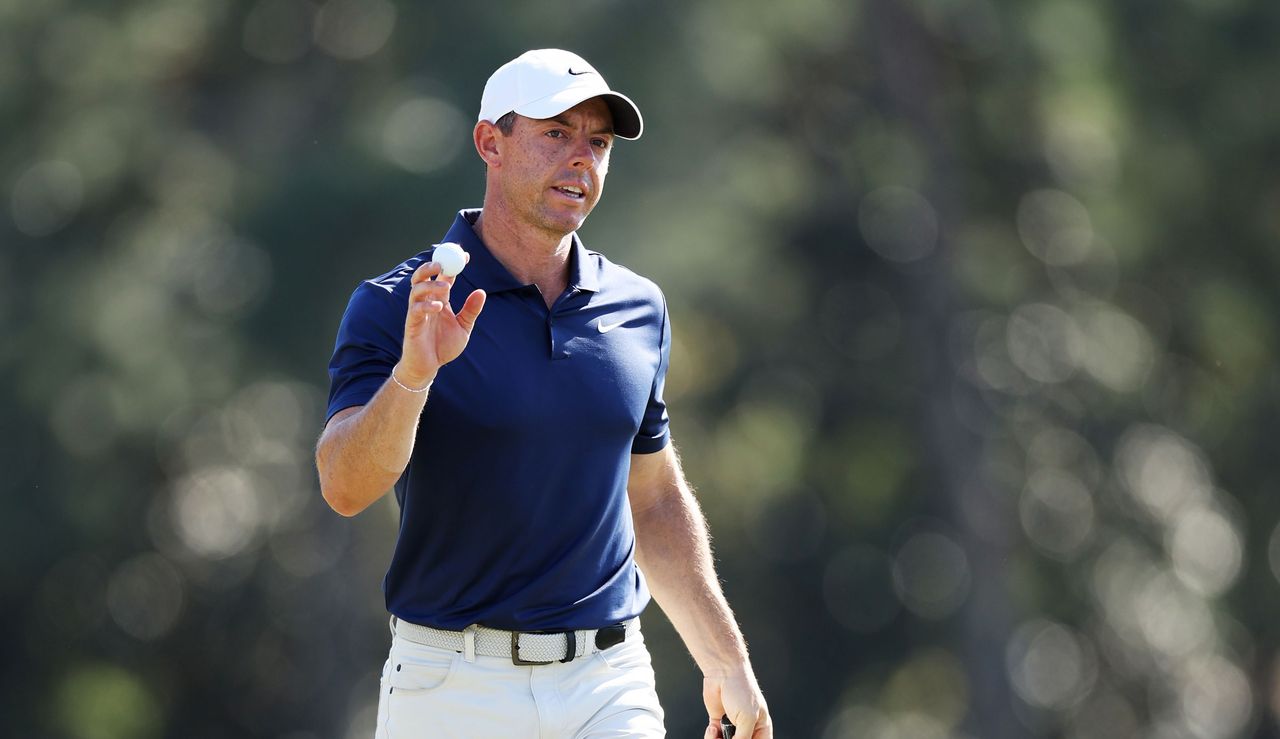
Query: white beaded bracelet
x=406 y=387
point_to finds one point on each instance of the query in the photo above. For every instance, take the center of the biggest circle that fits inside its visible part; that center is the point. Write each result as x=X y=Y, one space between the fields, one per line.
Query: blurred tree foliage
x=975 y=365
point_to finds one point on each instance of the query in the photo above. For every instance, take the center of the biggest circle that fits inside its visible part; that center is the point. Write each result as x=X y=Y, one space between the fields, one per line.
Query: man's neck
x=531 y=256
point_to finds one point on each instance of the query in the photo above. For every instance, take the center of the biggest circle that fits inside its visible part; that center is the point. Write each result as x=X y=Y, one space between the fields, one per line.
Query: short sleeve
x=368 y=346
x=655 y=426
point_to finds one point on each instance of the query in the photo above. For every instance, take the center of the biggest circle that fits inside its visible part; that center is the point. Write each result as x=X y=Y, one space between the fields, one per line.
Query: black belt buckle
x=611 y=636
x=570 y=648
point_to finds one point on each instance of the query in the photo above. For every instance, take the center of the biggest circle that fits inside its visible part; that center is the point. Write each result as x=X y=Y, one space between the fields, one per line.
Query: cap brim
x=627 y=122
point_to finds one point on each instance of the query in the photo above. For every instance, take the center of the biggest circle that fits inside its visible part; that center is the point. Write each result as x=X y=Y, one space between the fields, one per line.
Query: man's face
x=553 y=169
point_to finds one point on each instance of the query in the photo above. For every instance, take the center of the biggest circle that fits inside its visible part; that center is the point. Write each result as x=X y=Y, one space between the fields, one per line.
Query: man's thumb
x=471 y=309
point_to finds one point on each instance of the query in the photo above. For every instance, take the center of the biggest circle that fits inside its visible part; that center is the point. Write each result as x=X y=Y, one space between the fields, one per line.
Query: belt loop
x=392 y=625
x=469 y=643
x=570 y=646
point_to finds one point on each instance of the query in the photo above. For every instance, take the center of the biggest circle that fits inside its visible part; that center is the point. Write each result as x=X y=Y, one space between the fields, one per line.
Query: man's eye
x=555 y=134
x=600 y=143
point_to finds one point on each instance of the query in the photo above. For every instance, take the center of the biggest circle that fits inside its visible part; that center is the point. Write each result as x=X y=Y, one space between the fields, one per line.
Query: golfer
x=517 y=410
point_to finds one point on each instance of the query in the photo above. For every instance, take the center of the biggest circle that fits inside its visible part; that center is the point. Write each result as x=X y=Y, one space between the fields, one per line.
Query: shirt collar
x=487 y=273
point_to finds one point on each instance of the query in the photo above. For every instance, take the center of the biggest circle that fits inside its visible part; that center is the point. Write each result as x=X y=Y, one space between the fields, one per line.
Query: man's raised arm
x=364 y=449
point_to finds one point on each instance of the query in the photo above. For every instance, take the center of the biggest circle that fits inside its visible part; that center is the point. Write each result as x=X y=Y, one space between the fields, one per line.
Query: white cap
x=546 y=82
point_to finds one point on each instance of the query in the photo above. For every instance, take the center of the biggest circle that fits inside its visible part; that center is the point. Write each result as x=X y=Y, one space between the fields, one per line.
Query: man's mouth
x=571 y=191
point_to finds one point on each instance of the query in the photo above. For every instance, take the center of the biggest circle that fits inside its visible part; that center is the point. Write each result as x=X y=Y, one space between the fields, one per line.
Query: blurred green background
x=975 y=316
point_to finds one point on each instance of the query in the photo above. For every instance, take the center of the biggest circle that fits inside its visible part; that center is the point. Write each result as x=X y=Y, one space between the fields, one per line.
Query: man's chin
x=564 y=223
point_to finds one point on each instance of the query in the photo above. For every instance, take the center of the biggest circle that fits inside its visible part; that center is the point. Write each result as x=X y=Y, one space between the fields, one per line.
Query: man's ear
x=485 y=135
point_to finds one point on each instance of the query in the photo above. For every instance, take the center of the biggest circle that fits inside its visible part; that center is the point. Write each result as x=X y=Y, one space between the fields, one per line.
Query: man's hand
x=737 y=696
x=433 y=334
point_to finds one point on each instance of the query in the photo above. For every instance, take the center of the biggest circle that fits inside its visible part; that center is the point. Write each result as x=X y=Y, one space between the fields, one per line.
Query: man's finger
x=418 y=312
x=429 y=291
x=765 y=729
x=713 y=700
x=431 y=271
x=424 y=272
x=471 y=309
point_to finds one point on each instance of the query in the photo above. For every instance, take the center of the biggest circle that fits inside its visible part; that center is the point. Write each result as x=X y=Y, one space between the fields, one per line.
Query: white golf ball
x=450 y=257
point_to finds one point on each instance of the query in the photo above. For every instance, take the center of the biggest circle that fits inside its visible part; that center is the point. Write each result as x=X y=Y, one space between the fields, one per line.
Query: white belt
x=523 y=648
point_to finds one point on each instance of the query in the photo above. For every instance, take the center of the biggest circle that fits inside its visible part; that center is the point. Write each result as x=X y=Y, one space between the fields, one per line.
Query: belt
x=523 y=647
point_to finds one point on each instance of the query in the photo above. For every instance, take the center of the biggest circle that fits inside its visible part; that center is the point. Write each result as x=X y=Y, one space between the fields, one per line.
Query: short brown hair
x=507 y=123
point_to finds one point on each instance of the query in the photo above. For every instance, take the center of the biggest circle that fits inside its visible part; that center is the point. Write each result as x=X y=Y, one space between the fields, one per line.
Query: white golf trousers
x=433 y=693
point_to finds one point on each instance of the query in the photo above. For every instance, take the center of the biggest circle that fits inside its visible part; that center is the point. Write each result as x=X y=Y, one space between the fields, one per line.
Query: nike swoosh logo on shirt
x=607 y=327
x=578 y=73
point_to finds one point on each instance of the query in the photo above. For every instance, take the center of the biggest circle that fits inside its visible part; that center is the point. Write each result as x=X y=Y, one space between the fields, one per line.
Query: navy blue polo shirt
x=513 y=509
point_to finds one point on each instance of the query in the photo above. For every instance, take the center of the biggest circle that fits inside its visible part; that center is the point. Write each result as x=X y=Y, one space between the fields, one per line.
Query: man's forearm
x=361 y=454
x=674 y=551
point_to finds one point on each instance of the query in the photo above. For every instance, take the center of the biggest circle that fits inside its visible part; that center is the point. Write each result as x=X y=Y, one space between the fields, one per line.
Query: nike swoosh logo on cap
x=578 y=73
x=606 y=328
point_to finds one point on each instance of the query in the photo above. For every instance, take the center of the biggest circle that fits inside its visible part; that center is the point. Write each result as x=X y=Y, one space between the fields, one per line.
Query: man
x=529 y=451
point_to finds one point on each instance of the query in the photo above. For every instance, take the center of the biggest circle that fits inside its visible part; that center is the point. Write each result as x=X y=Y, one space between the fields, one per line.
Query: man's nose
x=585 y=155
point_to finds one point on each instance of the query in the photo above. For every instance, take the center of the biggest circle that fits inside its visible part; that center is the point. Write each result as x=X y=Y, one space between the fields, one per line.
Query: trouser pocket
x=414 y=675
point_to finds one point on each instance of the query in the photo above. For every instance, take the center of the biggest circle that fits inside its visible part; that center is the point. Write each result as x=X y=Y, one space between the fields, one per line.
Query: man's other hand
x=737 y=696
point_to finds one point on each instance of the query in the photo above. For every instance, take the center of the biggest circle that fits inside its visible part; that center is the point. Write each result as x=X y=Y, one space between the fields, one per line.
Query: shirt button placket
x=558 y=338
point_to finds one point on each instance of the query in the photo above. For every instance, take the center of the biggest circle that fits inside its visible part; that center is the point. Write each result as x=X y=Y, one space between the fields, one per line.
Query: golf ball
x=450 y=257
